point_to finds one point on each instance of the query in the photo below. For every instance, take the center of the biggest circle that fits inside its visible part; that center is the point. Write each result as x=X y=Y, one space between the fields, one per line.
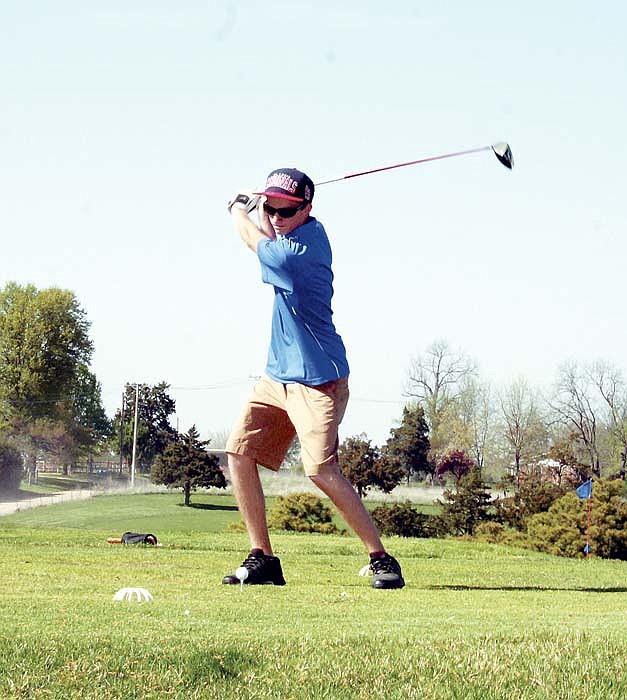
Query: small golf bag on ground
x=136 y=538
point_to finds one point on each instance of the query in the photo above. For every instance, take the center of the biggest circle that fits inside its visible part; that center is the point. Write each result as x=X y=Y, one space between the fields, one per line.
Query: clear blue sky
x=125 y=127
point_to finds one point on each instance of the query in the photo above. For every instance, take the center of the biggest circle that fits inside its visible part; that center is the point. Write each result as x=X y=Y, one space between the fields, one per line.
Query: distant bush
x=11 y=468
x=456 y=463
x=562 y=529
x=466 y=506
x=534 y=495
x=497 y=533
x=301 y=512
x=400 y=519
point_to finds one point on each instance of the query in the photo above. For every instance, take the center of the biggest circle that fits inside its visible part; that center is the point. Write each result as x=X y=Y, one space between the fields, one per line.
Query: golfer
x=304 y=391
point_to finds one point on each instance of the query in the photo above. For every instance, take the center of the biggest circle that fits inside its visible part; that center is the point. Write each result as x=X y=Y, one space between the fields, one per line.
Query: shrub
x=497 y=533
x=11 y=468
x=301 y=512
x=562 y=529
x=400 y=519
x=534 y=495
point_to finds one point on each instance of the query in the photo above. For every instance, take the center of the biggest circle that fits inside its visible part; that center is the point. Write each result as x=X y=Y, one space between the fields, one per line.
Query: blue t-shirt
x=304 y=346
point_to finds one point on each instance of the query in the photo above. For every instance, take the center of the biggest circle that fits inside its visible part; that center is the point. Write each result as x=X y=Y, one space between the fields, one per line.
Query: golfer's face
x=284 y=225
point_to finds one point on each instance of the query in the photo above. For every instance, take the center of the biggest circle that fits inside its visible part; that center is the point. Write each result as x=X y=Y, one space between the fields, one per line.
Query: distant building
x=551 y=471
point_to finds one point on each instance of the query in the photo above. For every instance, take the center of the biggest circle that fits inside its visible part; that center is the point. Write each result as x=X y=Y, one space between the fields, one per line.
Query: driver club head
x=504 y=153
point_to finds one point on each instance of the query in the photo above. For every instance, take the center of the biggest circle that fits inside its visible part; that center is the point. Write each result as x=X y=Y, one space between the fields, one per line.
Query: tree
x=88 y=421
x=573 y=403
x=610 y=382
x=523 y=428
x=43 y=342
x=218 y=438
x=46 y=388
x=154 y=431
x=456 y=463
x=185 y=464
x=467 y=506
x=364 y=466
x=46 y=438
x=435 y=379
x=408 y=445
x=567 y=469
x=476 y=416
x=534 y=495
x=11 y=468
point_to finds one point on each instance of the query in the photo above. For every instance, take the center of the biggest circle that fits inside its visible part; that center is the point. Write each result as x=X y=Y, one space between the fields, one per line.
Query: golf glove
x=243 y=200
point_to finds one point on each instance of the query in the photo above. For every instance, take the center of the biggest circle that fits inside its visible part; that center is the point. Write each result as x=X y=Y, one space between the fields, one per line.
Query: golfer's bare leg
x=350 y=507
x=250 y=500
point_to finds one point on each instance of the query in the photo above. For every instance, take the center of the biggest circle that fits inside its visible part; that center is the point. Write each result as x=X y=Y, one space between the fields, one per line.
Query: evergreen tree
x=186 y=464
x=408 y=445
x=464 y=508
x=154 y=431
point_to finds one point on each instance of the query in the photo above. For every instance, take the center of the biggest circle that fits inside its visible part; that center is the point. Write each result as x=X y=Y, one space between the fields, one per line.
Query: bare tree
x=523 y=428
x=217 y=438
x=610 y=382
x=573 y=404
x=436 y=380
x=475 y=412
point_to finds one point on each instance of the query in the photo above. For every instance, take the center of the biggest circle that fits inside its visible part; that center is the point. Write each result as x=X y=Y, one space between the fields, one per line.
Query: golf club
x=501 y=150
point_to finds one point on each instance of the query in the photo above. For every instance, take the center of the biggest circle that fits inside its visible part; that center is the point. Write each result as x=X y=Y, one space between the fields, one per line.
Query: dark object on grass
x=134 y=538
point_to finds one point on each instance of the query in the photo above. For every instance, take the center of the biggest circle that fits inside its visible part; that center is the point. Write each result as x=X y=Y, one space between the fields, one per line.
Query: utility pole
x=134 y=436
x=121 y=431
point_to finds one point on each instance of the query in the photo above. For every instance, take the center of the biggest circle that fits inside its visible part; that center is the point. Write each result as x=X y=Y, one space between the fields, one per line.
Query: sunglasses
x=283 y=212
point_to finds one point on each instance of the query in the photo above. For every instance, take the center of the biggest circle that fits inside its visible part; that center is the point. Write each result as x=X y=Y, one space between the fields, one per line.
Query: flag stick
x=587 y=550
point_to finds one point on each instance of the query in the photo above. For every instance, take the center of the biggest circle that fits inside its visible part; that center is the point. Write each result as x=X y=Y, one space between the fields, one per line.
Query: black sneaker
x=262 y=569
x=386 y=572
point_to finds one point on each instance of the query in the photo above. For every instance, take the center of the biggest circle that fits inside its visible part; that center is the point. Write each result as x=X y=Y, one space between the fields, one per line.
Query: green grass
x=474 y=621
x=162 y=514
x=149 y=512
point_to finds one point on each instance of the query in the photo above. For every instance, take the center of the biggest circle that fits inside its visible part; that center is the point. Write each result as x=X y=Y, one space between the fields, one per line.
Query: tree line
x=51 y=405
x=576 y=426
x=51 y=402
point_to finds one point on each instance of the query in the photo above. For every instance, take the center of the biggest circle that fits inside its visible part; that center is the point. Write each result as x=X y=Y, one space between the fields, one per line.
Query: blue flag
x=585 y=490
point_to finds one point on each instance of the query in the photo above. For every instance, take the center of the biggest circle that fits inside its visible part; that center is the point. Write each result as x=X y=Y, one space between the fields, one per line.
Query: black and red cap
x=290 y=184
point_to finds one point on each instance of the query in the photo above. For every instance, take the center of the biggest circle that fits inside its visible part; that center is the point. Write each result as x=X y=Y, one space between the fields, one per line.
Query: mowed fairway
x=474 y=621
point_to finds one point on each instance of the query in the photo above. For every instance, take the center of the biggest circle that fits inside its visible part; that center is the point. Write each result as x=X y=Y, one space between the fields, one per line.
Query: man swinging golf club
x=304 y=391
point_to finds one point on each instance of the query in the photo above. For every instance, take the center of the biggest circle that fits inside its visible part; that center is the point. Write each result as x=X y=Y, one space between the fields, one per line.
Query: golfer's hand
x=247 y=201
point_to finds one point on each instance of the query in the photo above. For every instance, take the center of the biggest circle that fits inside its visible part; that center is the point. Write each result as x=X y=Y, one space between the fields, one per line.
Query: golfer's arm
x=249 y=232
x=264 y=222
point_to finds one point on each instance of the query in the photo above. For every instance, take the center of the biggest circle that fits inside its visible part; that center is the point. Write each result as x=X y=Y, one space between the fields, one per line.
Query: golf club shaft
x=404 y=165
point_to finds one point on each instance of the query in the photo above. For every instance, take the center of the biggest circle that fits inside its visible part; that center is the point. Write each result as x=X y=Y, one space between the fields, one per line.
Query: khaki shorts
x=276 y=413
